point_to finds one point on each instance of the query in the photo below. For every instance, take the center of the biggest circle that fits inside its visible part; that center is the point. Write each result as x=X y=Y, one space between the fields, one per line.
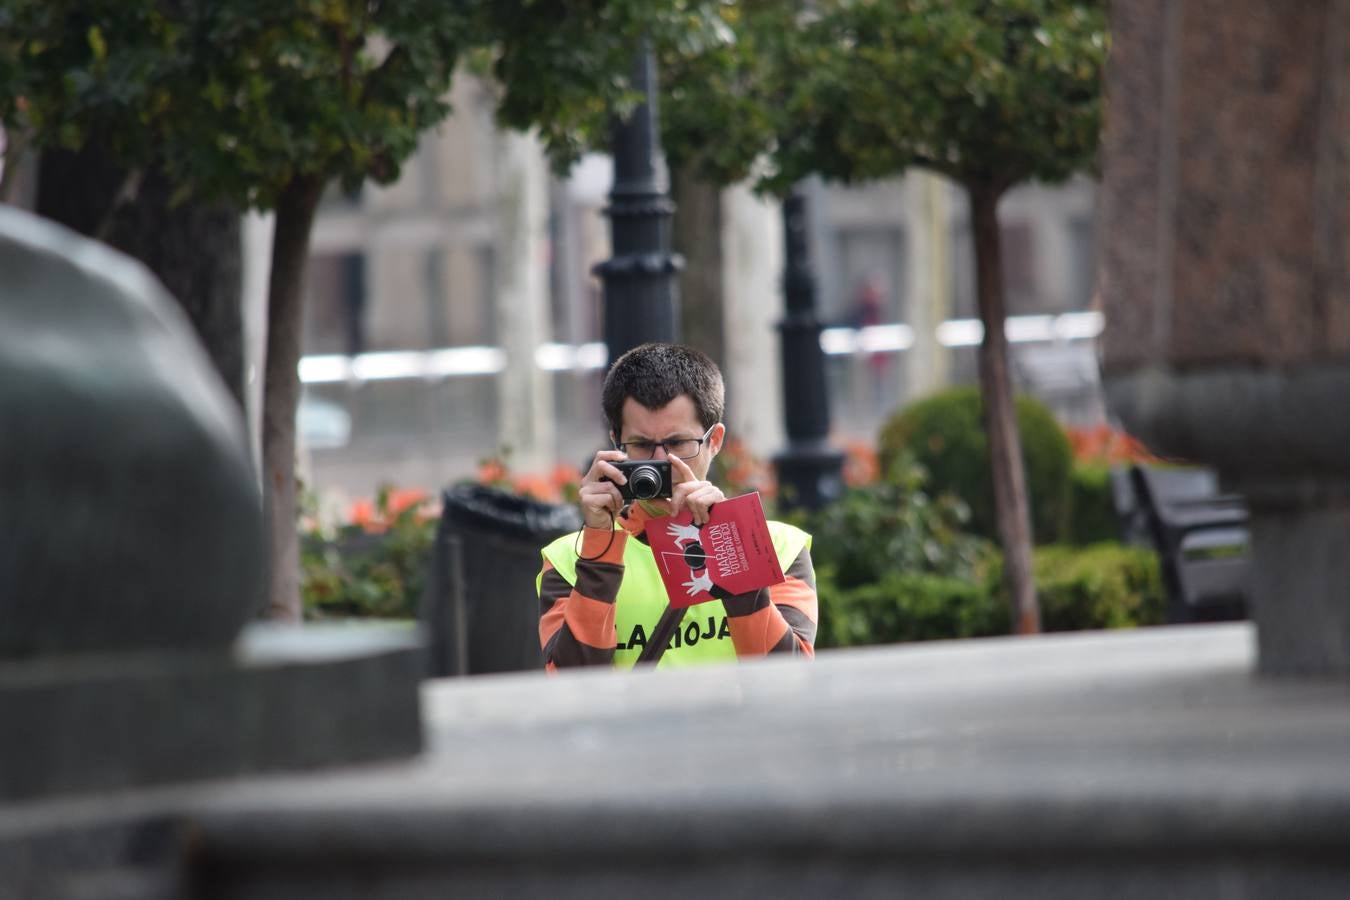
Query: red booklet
x=732 y=551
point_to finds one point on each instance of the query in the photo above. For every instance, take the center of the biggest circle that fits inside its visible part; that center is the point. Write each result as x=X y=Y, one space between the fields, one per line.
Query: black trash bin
x=480 y=609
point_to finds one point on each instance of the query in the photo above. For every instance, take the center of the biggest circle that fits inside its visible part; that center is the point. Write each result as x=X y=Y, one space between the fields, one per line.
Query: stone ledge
x=1136 y=764
x=285 y=698
x=1250 y=422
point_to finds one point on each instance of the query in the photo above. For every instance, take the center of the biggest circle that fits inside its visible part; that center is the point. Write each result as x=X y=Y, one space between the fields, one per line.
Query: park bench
x=1200 y=535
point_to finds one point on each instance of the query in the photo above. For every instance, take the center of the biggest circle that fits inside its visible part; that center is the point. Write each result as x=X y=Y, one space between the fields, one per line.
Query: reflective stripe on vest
x=703 y=637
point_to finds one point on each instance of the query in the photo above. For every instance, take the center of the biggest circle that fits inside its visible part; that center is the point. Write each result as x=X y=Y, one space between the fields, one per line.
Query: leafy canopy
x=564 y=67
x=234 y=99
x=239 y=99
x=983 y=91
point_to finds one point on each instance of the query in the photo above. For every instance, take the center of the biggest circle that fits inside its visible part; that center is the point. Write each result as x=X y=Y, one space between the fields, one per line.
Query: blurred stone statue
x=132 y=519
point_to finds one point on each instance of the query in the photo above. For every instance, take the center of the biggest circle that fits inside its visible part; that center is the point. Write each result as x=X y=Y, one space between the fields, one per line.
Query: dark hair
x=655 y=374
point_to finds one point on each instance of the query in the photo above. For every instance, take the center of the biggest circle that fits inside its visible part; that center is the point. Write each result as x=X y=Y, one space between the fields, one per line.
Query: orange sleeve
x=779 y=619
x=576 y=622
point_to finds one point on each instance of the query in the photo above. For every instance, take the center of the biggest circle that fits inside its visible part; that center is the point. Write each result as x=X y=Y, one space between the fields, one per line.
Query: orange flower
x=401 y=499
x=536 y=486
x=743 y=471
x=375 y=516
x=492 y=471
x=564 y=475
x=1101 y=444
x=861 y=465
x=362 y=513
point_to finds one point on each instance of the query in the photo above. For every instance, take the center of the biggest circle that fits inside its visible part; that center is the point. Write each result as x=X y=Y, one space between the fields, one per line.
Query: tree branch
x=126 y=194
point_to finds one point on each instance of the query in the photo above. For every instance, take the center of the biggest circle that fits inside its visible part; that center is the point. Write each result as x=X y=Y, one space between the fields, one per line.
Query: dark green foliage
x=987 y=91
x=993 y=92
x=895 y=526
x=1094 y=516
x=894 y=564
x=240 y=99
x=909 y=607
x=1097 y=587
x=945 y=434
x=235 y=100
x=564 y=66
x=1101 y=586
x=356 y=574
x=723 y=107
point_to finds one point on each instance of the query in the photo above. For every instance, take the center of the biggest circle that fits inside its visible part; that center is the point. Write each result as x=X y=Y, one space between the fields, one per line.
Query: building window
x=457 y=290
x=335 y=304
x=871 y=269
x=1082 y=262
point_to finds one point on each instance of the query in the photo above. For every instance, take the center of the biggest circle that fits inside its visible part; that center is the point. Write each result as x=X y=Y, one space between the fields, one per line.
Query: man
x=600 y=591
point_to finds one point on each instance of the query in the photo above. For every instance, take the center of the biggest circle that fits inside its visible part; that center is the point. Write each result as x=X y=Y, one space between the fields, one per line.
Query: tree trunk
x=697 y=235
x=281 y=390
x=78 y=188
x=14 y=162
x=196 y=250
x=193 y=248
x=1000 y=421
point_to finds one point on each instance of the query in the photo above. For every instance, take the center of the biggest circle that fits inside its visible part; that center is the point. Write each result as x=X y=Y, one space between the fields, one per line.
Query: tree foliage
x=993 y=91
x=564 y=67
x=240 y=98
x=990 y=91
x=235 y=100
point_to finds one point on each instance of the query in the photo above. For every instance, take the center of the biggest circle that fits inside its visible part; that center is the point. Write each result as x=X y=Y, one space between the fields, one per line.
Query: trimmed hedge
x=908 y=607
x=945 y=435
x=1094 y=519
x=1102 y=586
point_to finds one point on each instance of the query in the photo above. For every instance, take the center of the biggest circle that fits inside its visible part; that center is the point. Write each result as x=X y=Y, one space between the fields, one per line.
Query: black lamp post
x=810 y=471
x=640 y=290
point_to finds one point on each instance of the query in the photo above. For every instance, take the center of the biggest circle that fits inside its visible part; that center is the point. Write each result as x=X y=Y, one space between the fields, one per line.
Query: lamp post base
x=809 y=475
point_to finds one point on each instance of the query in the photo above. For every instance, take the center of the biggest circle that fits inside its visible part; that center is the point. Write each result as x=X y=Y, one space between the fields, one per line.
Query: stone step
x=1131 y=764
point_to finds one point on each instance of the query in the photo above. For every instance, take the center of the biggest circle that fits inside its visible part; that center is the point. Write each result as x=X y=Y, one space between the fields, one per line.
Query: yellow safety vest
x=704 y=636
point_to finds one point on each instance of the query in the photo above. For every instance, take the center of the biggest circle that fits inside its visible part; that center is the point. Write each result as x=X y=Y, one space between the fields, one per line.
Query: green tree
x=58 y=82
x=989 y=93
x=264 y=102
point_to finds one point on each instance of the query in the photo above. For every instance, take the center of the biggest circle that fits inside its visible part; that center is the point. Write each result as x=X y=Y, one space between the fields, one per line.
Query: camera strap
x=662 y=635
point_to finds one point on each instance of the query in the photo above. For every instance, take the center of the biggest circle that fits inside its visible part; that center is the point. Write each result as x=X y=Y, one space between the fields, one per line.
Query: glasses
x=683 y=448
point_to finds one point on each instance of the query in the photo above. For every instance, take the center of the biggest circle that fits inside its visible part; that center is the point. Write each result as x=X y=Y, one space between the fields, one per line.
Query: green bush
x=1101 y=586
x=945 y=434
x=907 y=607
x=1094 y=517
x=895 y=526
x=355 y=574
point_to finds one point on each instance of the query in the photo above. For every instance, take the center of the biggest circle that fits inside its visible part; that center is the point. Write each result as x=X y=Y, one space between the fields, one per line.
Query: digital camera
x=648 y=479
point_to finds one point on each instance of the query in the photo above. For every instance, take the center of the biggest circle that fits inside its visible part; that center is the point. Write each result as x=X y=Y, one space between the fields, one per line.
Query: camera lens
x=645 y=482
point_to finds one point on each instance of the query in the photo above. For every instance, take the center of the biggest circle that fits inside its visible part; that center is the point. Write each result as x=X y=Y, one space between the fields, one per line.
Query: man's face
x=677 y=419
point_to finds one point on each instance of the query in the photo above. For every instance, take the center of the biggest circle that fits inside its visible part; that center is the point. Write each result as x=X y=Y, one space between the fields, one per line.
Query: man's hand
x=688 y=491
x=600 y=499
